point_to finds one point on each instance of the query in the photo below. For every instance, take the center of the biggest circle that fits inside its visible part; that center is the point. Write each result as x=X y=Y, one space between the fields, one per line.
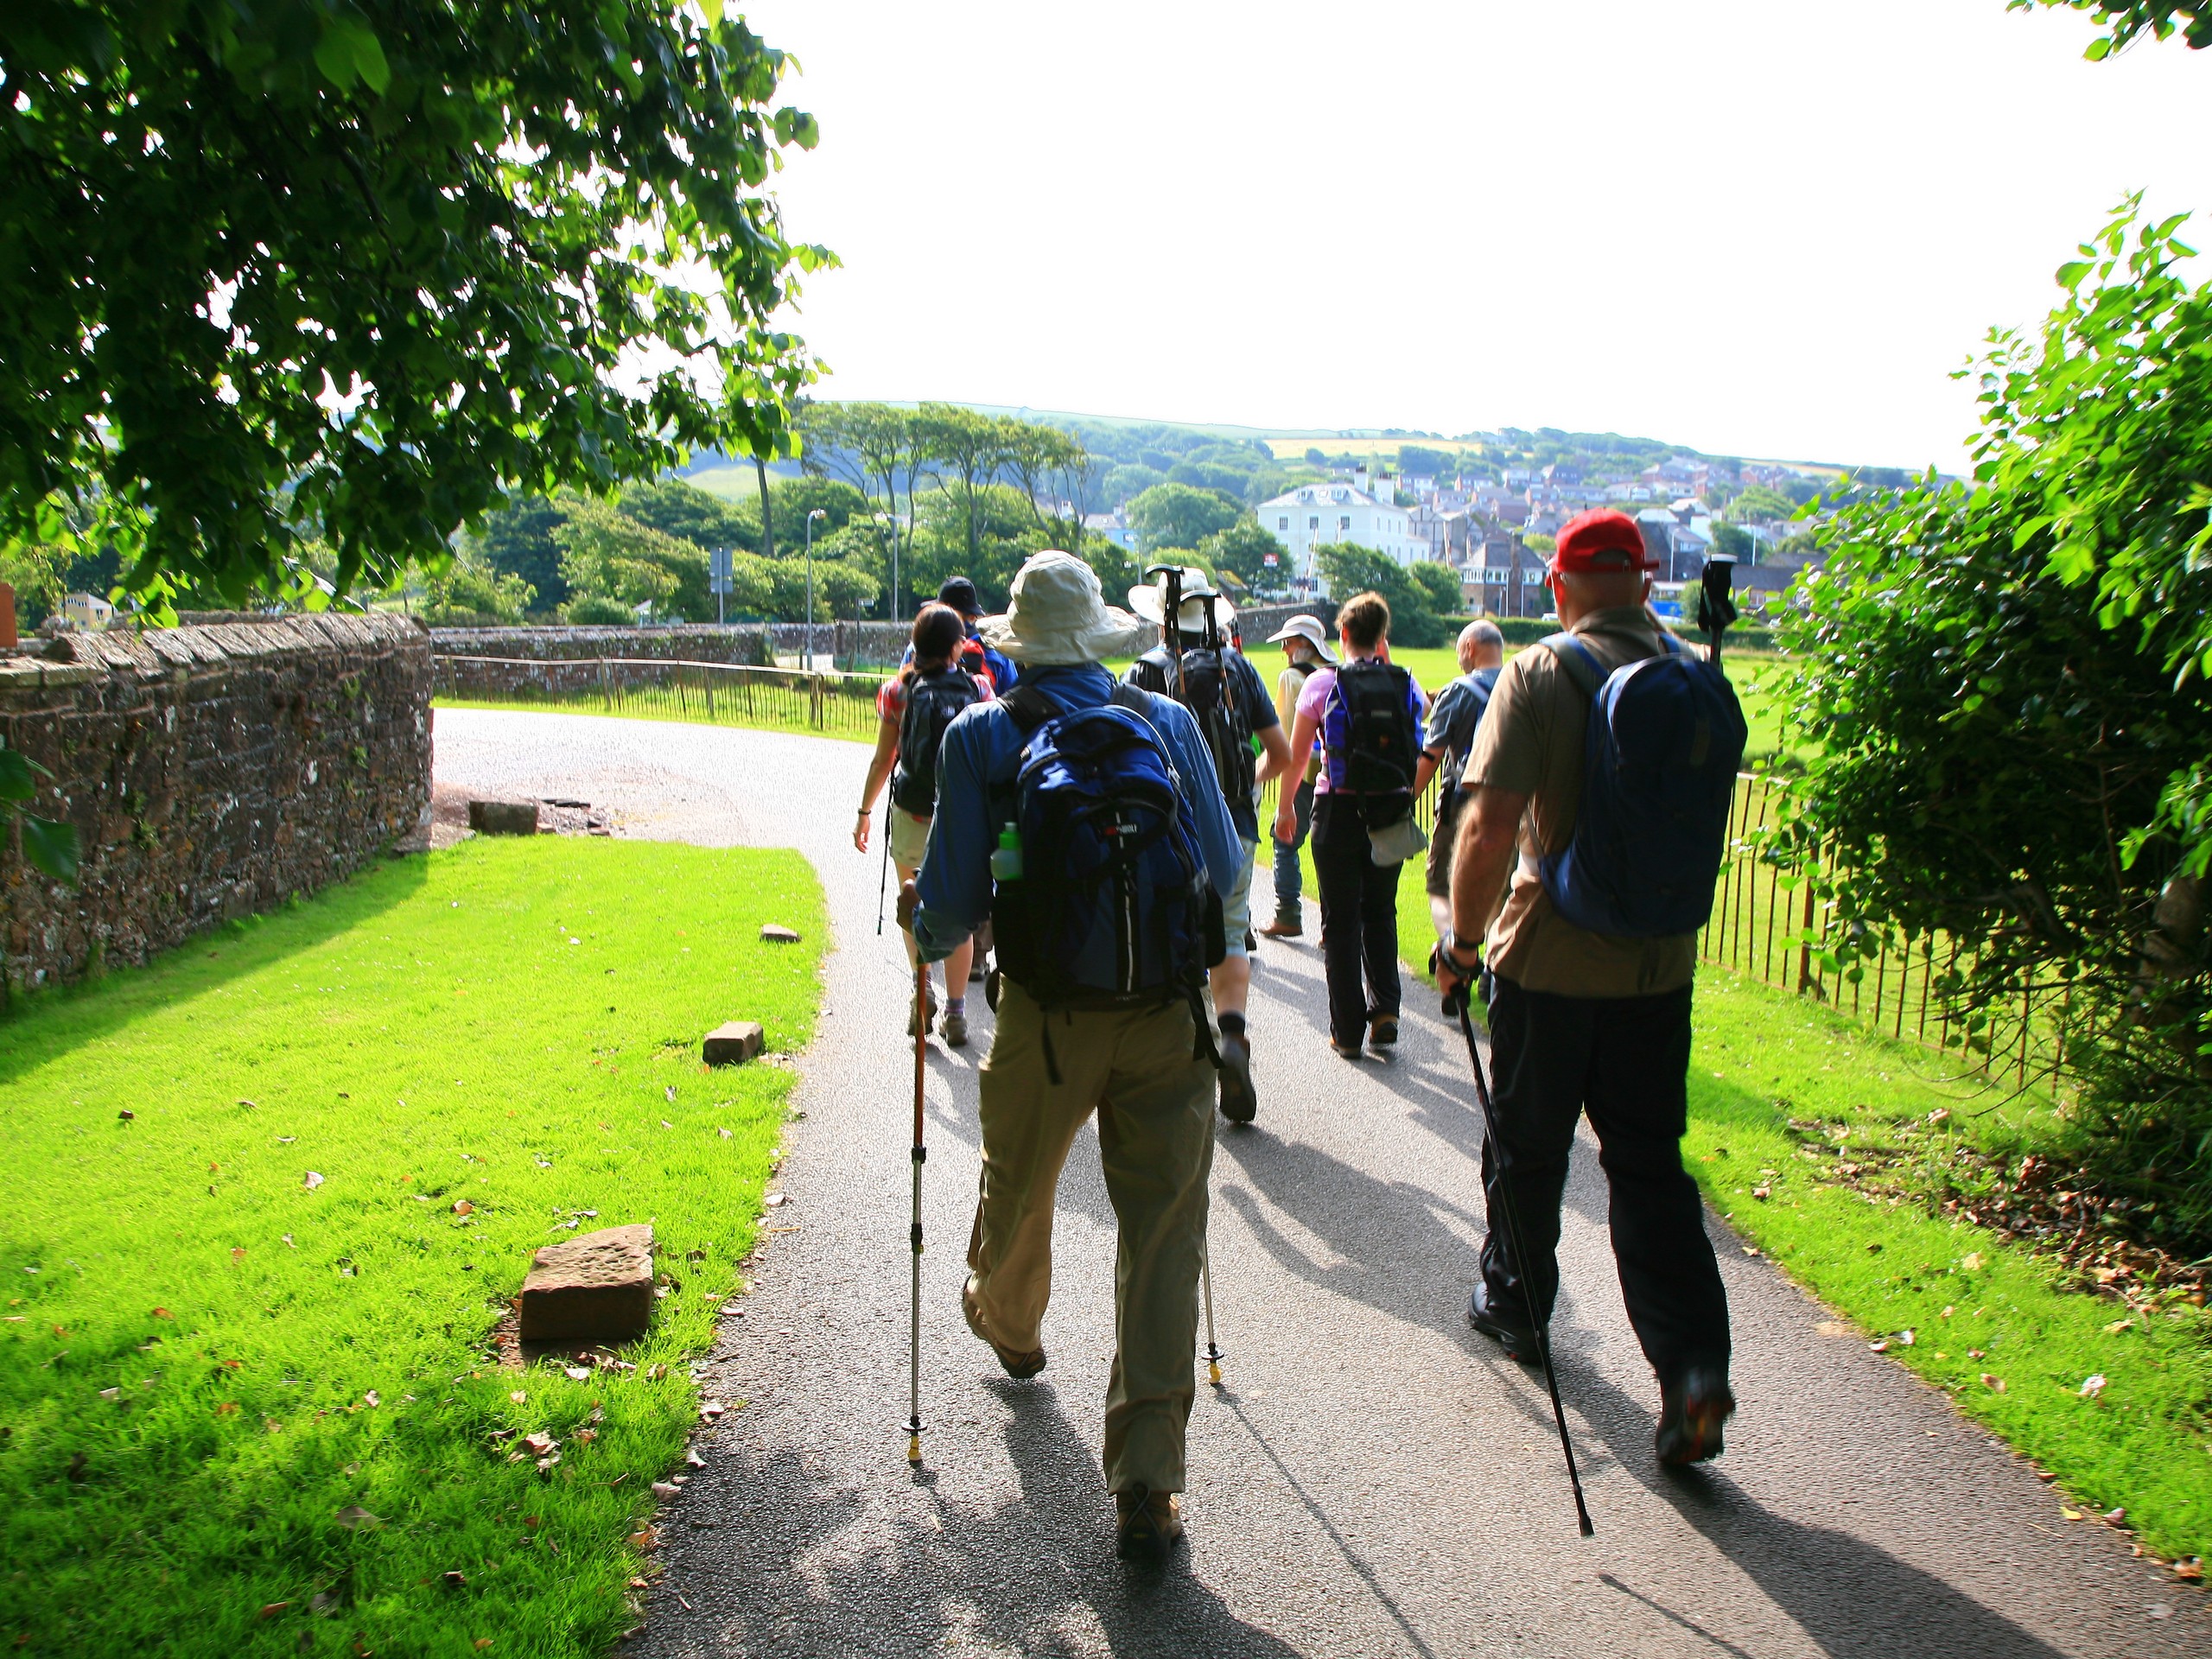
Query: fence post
x=814 y=690
x=1805 y=951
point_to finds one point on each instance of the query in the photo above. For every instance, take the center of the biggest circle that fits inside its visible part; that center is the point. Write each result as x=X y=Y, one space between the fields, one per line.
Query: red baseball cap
x=1602 y=540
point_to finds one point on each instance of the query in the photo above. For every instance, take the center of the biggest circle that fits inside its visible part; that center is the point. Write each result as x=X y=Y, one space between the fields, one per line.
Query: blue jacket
x=982 y=748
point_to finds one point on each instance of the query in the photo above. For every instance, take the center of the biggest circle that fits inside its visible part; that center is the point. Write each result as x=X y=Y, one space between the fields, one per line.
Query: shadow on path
x=1035 y=1573
x=1855 y=1599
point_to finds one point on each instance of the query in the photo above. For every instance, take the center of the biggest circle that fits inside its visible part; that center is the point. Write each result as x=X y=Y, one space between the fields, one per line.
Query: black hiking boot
x=1515 y=1336
x=1239 y=1104
x=1691 y=1414
x=1148 y=1525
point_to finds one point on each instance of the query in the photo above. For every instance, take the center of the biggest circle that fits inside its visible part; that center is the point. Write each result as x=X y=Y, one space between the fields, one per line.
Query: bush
x=2003 y=690
x=600 y=610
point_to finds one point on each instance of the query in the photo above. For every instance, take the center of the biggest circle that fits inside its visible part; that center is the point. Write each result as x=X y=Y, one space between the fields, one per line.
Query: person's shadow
x=1855 y=1599
x=1035 y=1575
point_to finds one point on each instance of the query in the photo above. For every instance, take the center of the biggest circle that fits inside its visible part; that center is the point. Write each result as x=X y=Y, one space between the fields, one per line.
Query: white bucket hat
x=1056 y=615
x=1307 y=628
x=1149 y=601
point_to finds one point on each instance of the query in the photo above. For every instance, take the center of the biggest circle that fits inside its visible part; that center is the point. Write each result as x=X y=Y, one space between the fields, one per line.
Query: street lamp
x=817 y=513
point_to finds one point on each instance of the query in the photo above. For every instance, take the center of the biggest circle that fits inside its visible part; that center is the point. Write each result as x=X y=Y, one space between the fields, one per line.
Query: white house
x=1315 y=515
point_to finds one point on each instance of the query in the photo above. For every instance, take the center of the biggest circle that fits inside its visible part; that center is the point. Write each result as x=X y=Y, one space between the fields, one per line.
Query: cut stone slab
x=776 y=933
x=503 y=817
x=732 y=1042
x=594 y=1288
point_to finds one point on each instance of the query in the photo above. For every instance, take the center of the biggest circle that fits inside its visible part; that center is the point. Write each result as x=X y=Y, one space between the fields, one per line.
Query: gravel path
x=1374 y=1478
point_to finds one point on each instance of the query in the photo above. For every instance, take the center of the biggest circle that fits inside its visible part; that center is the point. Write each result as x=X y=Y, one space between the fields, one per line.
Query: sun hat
x=1601 y=541
x=1149 y=601
x=1307 y=628
x=1056 y=615
x=960 y=593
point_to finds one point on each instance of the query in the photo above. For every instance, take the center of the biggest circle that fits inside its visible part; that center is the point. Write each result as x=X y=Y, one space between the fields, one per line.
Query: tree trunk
x=768 y=517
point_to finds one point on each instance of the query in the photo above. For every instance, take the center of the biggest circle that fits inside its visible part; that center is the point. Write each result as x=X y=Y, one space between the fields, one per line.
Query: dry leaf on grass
x=354 y=1518
x=2092 y=1385
x=312 y=1182
x=1995 y=1382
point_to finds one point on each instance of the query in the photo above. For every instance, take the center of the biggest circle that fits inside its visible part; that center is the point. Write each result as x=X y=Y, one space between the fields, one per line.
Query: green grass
x=206 y=1360
x=1762 y=1057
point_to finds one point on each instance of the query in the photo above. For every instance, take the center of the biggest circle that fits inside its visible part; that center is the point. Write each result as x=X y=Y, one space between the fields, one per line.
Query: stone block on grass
x=732 y=1042
x=593 y=1288
x=777 y=933
x=503 y=817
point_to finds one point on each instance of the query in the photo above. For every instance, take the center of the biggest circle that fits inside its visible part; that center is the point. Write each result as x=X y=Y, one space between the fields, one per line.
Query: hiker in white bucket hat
x=1305 y=645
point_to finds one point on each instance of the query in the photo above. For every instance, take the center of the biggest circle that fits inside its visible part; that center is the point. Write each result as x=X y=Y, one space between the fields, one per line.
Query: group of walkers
x=1099 y=837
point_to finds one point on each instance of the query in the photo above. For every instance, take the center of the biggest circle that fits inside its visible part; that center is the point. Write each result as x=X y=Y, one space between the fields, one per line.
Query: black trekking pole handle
x=1521 y=1256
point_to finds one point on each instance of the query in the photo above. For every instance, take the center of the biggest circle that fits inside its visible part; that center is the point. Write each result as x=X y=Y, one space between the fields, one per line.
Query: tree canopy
x=356 y=270
x=2127 y=21
x=1179 y=515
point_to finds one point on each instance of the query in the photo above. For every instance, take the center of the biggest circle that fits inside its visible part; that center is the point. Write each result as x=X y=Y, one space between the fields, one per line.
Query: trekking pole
x=920 y=1157
x=883 y=878
x=1520 y=1257
x=1205 y=1280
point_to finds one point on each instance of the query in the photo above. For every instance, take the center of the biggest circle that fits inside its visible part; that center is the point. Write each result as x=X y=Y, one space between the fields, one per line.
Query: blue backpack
x=1659 y=765
x=1114 y=907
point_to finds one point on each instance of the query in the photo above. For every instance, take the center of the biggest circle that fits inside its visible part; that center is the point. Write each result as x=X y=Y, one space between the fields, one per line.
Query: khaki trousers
x=1155 y=1140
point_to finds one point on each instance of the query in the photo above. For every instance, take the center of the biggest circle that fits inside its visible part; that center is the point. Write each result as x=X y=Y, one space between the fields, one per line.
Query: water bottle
x=1006 y=857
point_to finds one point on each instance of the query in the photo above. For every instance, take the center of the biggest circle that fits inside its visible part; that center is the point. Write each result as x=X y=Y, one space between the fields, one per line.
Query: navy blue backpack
x=1113 y=907
x=1665 y=738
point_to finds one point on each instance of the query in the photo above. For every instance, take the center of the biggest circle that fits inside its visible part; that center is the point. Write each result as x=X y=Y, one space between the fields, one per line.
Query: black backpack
x=933 y=701
x=1381 y=743
x=1209 y=690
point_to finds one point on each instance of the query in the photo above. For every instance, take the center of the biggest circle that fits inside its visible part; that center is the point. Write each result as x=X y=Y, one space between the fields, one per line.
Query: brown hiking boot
x=1018 y=1366
x=1148 y=1525
x=1288 y=925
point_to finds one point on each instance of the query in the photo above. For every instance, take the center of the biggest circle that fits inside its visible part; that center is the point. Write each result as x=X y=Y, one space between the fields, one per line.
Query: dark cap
x=1602 y=540
x=960 y=593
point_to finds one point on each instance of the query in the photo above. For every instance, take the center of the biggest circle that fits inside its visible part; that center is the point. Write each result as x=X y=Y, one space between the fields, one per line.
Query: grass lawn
x=1981 y=1312
x=273 y=1191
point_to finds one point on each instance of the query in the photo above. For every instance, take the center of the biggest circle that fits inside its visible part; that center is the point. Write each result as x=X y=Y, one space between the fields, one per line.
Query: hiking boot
x=1514 y=1335
x=1382 y=1030
x=928 y=1017
x=1148 y=1525
x=1018 y=1365
x=1691 y=1414
x=978 y=967
x=1238 y=1104
x=954 y=1029
x=1252 y=942
x=1351 y=1050
x=1288 y=925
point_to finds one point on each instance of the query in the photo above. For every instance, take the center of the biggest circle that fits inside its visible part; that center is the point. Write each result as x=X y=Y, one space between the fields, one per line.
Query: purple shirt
x=1317 y=702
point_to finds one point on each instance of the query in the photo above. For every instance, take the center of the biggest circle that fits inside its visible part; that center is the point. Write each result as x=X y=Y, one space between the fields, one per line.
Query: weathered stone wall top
x=210 y=772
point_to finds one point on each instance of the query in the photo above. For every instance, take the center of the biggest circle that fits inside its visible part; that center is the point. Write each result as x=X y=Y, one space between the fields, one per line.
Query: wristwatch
x=1455 y=948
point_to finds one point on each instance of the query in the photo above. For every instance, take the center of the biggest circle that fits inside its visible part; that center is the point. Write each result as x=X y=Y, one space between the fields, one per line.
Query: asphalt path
x=1373 y=1478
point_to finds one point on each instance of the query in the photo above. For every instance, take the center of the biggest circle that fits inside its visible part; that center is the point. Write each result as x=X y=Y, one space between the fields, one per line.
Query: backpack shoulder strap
x=1581 y=662
x=1134 y=698
x=1029 y=707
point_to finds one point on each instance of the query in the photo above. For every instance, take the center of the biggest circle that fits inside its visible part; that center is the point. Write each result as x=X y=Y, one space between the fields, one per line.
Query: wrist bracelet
x=867 y=811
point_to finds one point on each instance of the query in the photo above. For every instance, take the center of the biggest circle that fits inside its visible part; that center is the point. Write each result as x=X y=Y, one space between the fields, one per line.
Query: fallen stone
x=503 y=817
x=776 y=933
x=594 y=1288
x=732 y=1043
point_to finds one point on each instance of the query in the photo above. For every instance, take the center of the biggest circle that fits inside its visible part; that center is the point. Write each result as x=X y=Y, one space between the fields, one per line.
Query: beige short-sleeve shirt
x=1530 y=743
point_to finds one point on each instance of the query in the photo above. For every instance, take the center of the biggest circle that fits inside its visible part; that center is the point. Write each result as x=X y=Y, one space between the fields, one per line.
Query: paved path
x=1374 y=1479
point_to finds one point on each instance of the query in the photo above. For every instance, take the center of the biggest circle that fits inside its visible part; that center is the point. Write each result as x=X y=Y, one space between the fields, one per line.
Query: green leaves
x=350 y=51
x=18 y=773
x=357 y=271
x=51 y=848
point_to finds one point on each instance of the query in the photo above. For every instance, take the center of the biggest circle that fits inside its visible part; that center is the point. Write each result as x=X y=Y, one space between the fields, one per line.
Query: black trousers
x=1625 y=1061
x=1359 y=919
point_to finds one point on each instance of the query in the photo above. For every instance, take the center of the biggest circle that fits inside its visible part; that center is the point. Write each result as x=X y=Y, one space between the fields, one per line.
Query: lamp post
x=817 y=513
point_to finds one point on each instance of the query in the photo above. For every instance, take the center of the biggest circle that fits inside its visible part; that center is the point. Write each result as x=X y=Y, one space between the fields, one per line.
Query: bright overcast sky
x=1765 y=228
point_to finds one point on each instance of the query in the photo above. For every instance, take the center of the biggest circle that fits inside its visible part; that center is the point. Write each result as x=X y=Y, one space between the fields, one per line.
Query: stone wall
x=686 y=642
x=211 y=772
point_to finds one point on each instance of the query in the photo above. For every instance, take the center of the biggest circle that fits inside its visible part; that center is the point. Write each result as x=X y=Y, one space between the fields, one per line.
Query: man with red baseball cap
x=1580 y=1020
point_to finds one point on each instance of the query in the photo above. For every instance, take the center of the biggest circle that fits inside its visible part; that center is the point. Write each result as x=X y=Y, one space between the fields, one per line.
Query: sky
x=1759 y=227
